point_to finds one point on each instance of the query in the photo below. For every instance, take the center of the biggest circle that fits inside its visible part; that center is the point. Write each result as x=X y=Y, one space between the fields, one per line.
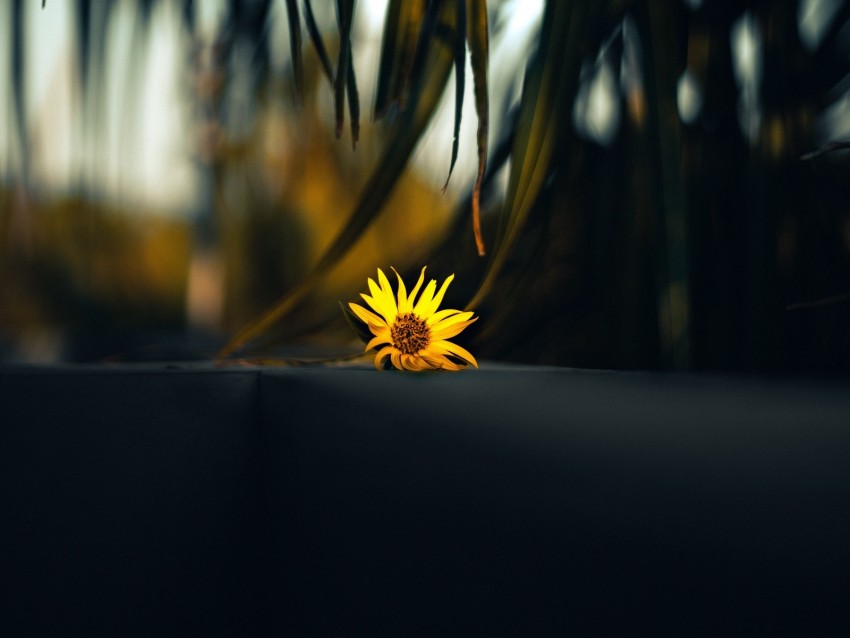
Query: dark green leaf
x=295 y=45
x=345 y=10
x=353 y=102
x=460 y=74
x=477 y=36
x=316 y=37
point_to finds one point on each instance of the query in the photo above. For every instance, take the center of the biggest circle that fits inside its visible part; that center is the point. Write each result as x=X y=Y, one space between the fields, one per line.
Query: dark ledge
x=185 y=499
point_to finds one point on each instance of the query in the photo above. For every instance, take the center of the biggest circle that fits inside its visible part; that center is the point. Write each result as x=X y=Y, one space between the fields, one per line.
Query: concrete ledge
x=188 y=500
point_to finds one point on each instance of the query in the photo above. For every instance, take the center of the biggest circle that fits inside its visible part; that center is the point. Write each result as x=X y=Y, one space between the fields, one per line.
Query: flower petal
x=439 y=361
x=395 y=358
x=435 y=302
x=367 y=317
x=388 y=293
x=414 y=363
x=378 y=340
x=440 y=315
x=402 y=293
x=447 y=347
x=408 y=307
x=375 y=290
x=449 y=320
x=380 y=306
x=382 y=354
x=447 y=330
x=425 y=299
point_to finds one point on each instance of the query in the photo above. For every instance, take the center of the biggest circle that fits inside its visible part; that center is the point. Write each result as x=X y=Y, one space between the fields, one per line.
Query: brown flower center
x=410 y=334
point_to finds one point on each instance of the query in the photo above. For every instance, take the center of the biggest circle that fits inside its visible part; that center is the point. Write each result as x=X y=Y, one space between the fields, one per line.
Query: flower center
x=410 y=334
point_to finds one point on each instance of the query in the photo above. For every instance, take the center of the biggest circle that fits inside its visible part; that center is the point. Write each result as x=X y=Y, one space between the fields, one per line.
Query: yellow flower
x=414 y=333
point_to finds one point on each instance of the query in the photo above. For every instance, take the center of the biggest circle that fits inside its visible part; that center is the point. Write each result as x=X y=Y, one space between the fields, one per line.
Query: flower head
x=413 y=332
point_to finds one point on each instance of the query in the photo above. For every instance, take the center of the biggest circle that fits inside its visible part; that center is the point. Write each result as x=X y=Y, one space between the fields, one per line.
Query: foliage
x=712 y=239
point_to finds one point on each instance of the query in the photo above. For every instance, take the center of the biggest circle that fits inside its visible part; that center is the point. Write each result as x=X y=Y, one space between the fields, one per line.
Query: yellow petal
x=367 y=317
x=444 y=321
x=414 y=363
x=379 y=305
x=375 y=289
x=382 y=354
x=435 y=302
x=439 y=362
x=408 y=306
x=402 y=293
x=389 y=297
x=447 y=347
x=425 y=299
x=379 y=339
x=442 y=314
x=450 y=330
x=395 y=358
x=381 y=301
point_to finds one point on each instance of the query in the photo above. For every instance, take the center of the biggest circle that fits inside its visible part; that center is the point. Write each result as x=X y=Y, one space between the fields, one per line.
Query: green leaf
x=316 y=37
x=345 y=11
x=353 y=102
x=477 y=36
x=295 y=45
x=460 y=74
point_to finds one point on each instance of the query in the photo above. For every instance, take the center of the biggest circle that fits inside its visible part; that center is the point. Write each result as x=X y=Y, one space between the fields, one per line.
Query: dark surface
x=132 y=503
x=141 y=500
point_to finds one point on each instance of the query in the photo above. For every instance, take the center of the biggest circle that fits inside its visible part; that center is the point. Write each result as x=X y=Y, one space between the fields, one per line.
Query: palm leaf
x=460 y=74
x=316 y=37
x=476 y=34
x=345 y=11
x=353 y=101
x=295 y=46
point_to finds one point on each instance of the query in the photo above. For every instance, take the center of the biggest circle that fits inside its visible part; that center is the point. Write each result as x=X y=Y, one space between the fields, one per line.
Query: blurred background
x=666 y=187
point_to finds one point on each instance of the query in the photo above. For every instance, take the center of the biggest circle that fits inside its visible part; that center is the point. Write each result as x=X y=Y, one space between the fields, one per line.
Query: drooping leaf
x=295 y=46
x=460 y=74
x=345 y=10
x=405 y=135
x=316 y=37
x=477 y=36
x=353 y=101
